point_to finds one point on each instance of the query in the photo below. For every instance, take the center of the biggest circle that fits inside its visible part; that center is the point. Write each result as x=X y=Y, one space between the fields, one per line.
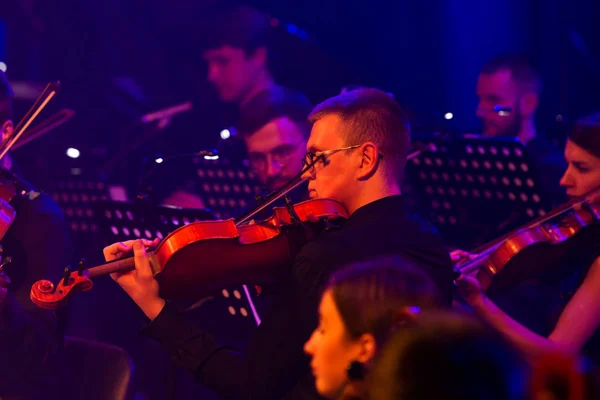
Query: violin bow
x=49 y=92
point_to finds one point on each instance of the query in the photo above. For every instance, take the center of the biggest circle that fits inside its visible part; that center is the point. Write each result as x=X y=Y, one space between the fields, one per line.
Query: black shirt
x=275 y=366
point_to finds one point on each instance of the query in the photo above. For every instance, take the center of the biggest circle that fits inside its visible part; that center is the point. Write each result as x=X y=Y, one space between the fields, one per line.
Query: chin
x=226 y=97
x=327 y=392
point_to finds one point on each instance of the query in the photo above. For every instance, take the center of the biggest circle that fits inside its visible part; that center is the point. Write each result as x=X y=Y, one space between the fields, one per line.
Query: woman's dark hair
x=370 y=295
x=444 y=355
x=586 y=134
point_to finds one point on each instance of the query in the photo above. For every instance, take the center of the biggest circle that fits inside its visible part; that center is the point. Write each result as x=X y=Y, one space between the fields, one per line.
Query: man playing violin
x=39 y=244
x=360 y=140
x=569 y=271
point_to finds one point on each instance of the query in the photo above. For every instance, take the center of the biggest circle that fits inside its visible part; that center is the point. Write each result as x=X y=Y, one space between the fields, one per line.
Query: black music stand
x=122 y=221
x=474 y=189
x=76 y=198
x=225 y=187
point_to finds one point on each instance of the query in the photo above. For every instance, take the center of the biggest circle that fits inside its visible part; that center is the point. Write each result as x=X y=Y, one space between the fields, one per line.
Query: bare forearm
x=527 y=342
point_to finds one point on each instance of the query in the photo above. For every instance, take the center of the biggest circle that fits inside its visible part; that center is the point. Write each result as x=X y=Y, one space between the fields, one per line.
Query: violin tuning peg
x=81 y=267
x=66 y=276
x=1 y=249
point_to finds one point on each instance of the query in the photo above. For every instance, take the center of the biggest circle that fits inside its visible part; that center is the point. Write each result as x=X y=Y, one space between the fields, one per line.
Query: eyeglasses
x=502 y=111
x=311 y=158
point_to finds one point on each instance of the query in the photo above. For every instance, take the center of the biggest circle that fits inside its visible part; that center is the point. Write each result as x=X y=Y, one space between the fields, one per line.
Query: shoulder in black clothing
x=378 y=229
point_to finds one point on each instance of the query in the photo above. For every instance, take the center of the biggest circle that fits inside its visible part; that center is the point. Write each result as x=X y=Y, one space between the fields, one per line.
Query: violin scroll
x=45 y=295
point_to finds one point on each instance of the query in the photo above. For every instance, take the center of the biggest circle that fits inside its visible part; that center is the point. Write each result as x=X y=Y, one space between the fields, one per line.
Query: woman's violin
x=201 y=258
x=558 y=226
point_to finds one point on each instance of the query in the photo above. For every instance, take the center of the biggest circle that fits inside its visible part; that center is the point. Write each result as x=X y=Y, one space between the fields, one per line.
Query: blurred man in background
x=272 y=119
x=509 y=90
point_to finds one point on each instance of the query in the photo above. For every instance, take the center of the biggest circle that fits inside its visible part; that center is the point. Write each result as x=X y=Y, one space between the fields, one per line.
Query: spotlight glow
x=159 y=160
x=2 y=66
x=73 y=152
x=225 y=134
x=449 y=115
x=215 y=157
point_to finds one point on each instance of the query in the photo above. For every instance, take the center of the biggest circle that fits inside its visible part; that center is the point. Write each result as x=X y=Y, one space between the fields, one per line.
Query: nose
x=213 y=73
x=480 y=112
x=309 y=174
x=308 y=346
x=566 y=180
x=273 y=167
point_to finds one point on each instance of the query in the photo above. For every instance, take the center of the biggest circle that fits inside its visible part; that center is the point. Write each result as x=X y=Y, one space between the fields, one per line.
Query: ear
x=259 y=57
x=6 y=130
x=368 y=347
x=369 y=160
x=529 y=103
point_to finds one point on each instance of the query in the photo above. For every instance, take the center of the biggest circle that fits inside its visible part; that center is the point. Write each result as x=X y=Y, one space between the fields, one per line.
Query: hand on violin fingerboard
x=459 y=257
x=470 y=289
x=139 y=284
x=122 y=249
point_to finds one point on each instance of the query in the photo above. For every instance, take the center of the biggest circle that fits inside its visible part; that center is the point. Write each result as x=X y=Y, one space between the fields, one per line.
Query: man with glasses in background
x=275 y=128
x=509 y=90
x=356 y=155
x=271 y=118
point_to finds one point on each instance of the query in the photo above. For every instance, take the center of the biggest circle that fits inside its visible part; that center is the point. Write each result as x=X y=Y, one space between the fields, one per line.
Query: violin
x=11 y=186
x=199 y=259
x=559 y=225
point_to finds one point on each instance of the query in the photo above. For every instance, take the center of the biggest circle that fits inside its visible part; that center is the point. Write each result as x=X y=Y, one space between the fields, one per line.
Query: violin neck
x=122 y=265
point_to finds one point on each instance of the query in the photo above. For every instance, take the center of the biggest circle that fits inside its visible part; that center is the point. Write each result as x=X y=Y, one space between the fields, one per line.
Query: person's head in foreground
x=444 y=355
x=360 y=307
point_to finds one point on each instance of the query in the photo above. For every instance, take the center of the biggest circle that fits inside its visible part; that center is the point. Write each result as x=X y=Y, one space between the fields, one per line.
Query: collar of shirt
x=377 y=209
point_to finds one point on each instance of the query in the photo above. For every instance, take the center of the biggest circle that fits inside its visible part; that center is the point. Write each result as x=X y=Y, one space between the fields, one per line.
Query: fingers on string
x=142 y=262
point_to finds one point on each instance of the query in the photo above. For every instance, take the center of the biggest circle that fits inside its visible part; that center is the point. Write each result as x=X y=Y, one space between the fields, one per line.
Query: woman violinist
x=579 y=319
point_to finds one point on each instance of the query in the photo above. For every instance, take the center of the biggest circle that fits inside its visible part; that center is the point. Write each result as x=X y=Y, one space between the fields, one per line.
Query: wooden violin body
x=558 y=226
x=201 y=258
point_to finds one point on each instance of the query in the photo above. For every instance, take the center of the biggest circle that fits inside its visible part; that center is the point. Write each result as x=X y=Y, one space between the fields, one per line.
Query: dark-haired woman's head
x=582 y=153
x=360 y=307
x=444 y=355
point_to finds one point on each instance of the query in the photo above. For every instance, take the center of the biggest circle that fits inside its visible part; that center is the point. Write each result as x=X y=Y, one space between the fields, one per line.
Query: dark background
x=119 y=59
